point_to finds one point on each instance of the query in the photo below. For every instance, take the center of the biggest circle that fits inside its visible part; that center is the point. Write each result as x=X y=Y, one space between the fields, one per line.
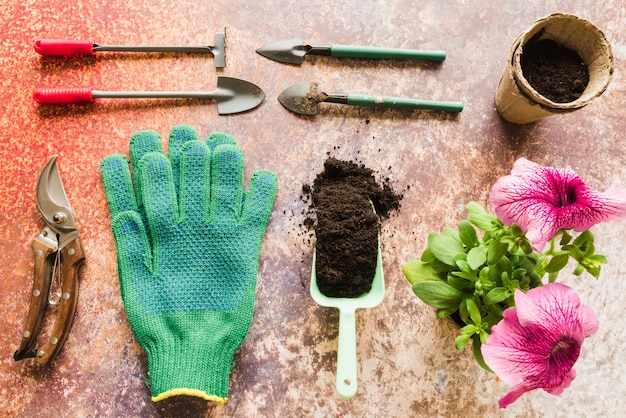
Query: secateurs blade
x=58 y=256
x=71 y=47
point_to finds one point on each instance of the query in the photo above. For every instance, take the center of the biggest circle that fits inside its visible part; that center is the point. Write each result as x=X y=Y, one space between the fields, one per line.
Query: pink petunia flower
x=538 y=341
x=543 y=200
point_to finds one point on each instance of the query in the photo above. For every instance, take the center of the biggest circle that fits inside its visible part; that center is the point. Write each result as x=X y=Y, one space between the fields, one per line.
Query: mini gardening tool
x=304 y=99
x=346 y=378
x=233 y=95
x=68 y=47
x=292 y=51
x=58 y=256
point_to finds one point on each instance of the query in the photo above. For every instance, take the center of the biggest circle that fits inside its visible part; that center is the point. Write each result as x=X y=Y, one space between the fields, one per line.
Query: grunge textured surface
x=408 y=366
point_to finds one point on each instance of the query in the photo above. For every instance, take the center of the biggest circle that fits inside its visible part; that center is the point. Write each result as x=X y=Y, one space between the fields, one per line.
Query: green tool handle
x=352 y=51
x=402 y=102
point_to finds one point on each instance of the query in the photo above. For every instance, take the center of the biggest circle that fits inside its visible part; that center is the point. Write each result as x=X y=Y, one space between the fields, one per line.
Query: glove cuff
x=183 y=369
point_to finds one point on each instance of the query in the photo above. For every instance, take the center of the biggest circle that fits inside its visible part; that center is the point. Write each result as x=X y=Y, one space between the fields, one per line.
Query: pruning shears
x=58 y=256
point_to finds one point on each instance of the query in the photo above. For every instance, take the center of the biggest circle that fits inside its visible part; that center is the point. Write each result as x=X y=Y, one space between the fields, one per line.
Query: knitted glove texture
x=188 y=239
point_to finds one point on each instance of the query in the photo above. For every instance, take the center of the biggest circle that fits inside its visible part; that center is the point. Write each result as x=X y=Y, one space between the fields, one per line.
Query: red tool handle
x=63 y=95
x=66 y=47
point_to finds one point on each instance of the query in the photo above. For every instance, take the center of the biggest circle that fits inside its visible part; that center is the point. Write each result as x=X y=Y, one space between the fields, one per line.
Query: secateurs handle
x=42 y=249
x=64 y=47
x=72 y=256
x=63 y=95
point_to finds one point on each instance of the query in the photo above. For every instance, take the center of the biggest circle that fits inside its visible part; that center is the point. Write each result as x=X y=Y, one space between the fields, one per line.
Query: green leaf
x=477 y=256
x=444 y=313
x=506 y=282
x=535 y=280
x=461 y=341
x=482 y=222
x=417 y=271
x=441 y=267
x=474 y=208
x=496 y=295
x=528 y=263
x=463 y=312
x=516 y=230
x=427 y=256
x=575 y=252
x=451 y=233
x=557 y=263
x=565 y=238
x=478 y=354
x=526 y=247
x=460 y=283
x=466 y=275
x=438 y=294
x=469 y=329
x=598 y=258
x=590 y=249
x=444 y=248
x=579 y=269
x=585 y=237
x=479 y=217
x=463 y=265
x=594 y=270
x=496 y=251
x=473 y=311
x=468 y=235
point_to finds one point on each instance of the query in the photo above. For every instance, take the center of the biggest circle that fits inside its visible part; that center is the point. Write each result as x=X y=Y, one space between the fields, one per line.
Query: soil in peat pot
x=556 y=72
x=346 y=226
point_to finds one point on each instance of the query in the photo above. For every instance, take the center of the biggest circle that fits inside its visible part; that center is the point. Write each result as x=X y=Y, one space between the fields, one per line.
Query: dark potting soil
x=556 y=72
x=346 y=226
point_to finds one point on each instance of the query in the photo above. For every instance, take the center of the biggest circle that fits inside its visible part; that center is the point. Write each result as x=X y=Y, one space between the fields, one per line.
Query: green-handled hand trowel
x=292 y=51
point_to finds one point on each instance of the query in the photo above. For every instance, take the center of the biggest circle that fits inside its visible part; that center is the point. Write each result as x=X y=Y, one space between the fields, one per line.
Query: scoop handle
x=403 y=102
x=346 y=383
x=354 y=51
x=63 y=95
x=64 y=47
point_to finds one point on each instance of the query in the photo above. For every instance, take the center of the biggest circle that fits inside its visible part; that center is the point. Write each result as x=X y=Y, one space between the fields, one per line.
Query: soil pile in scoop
x=346 y=226
x=556 y=72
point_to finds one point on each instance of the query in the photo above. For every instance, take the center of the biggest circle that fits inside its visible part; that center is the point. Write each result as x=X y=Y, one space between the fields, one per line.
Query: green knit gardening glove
x=188 y=239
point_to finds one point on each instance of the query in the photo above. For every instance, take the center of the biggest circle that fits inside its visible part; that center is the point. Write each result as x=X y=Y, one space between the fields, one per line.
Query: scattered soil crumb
x=313 y=97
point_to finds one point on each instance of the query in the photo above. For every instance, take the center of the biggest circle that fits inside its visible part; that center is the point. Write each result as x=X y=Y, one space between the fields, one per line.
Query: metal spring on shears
x=57 y=282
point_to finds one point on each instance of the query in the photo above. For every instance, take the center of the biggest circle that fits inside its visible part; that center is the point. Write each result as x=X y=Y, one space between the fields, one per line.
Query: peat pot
x=518 y=101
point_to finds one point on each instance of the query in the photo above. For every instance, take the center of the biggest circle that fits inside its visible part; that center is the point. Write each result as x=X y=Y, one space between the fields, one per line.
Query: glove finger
x=195 y=180
x=226 y=181
x=259 y=199
x=219 y=138
x=142 y=143
x=134 y=259
x=118 y=185
x=179 y=136
x=159 y=195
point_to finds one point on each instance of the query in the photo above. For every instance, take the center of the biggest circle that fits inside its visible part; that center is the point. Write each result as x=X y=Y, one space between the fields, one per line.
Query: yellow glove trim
x=189 y=392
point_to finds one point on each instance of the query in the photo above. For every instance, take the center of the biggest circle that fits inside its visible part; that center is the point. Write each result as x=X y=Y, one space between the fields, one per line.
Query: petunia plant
x=477 y=273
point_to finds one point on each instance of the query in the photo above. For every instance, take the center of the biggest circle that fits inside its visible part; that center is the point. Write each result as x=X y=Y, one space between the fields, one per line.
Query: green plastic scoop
x=346 y=380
